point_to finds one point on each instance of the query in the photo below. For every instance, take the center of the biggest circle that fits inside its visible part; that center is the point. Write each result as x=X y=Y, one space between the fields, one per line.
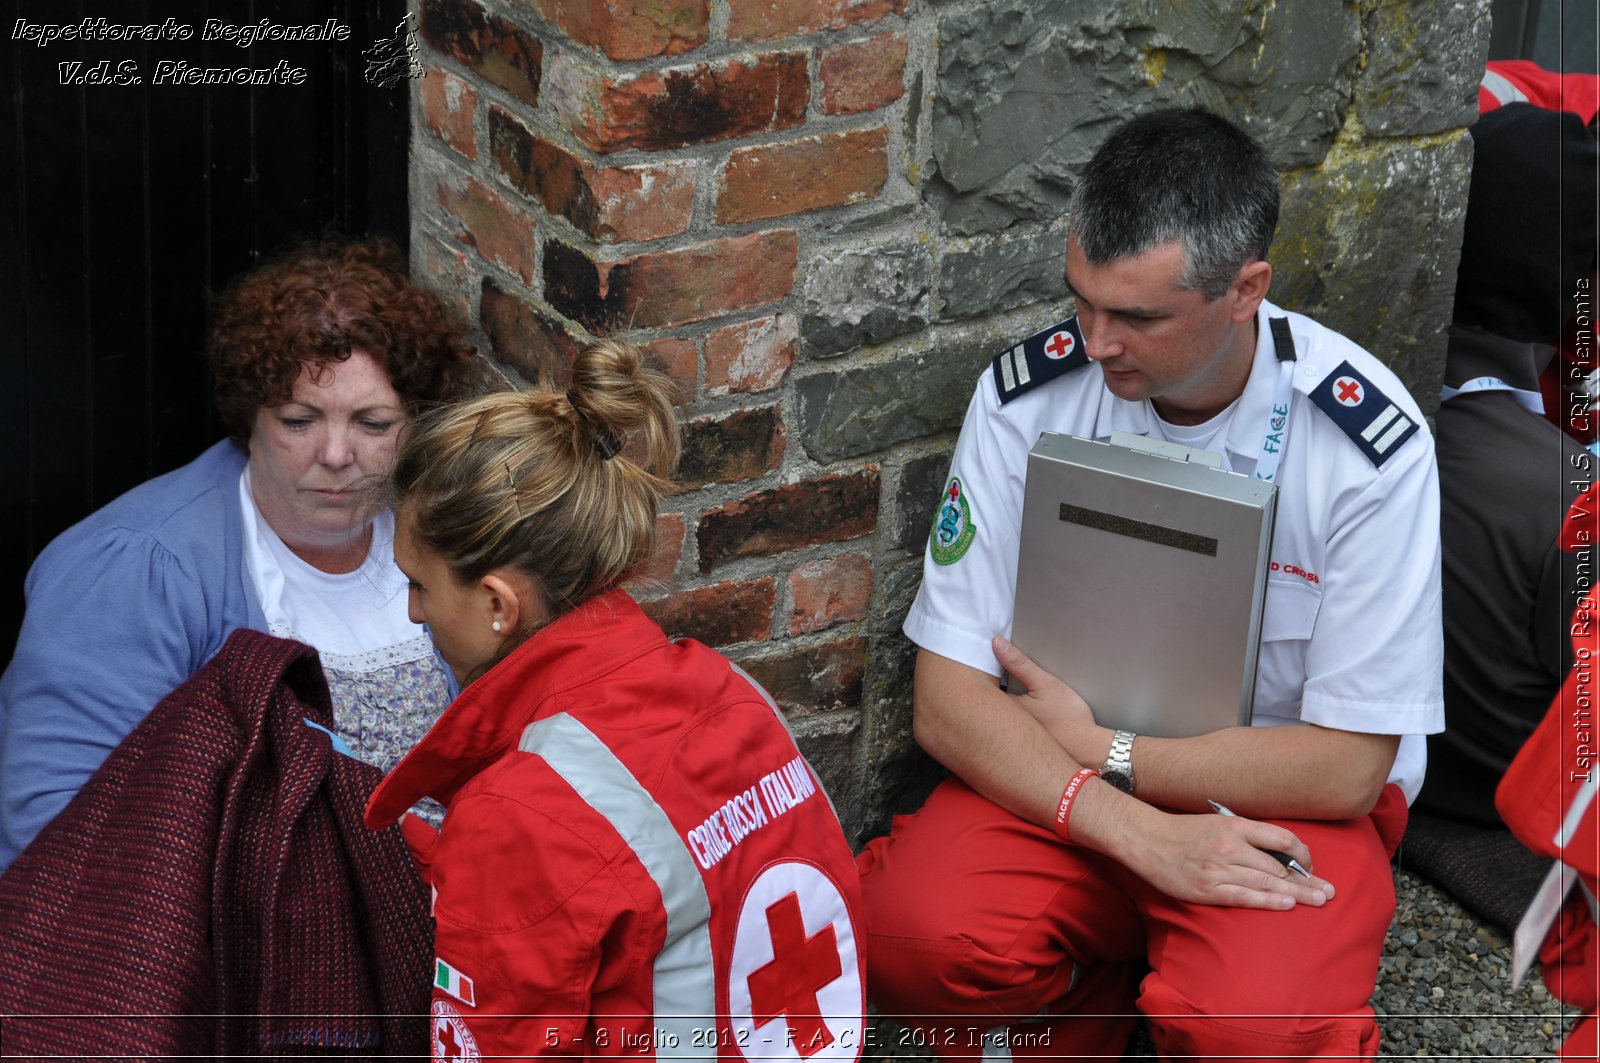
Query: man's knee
x=1182 y=1028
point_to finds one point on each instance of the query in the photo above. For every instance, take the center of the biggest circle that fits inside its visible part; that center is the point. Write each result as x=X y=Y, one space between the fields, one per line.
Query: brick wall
x=822 y=217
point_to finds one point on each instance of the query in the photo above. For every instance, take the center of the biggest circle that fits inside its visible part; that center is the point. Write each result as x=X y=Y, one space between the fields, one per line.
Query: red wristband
x=1069 y=795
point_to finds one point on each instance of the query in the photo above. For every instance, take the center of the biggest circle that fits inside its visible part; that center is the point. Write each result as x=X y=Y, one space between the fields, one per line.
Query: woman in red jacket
x=635 y=859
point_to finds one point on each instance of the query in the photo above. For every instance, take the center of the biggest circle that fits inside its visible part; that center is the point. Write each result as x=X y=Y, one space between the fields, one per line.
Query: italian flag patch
x=452 y=981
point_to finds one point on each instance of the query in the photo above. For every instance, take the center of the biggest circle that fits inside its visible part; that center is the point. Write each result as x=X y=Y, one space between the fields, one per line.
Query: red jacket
x=635 y=858
x=1519 y=80
x=1547 y=796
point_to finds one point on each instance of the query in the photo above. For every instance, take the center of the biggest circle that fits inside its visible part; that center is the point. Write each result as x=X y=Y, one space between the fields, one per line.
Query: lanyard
x=1278 y=416
x=1530 y=400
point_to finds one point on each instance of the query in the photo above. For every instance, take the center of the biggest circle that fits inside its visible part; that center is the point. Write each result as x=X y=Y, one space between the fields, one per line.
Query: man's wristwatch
x=1118 y=768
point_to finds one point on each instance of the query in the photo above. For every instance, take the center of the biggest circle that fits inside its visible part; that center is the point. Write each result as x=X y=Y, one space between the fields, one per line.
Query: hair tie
x=607 y=444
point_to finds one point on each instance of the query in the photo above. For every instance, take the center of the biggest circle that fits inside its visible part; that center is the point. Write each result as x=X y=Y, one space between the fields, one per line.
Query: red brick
x=824 y=510
x=750 y=357
x=496 y=49
x=501 y=233
x=829 y=592
x=679 y=359
x=738 y=446
x=671 y=287
x=447 y=272
x=862 y=75
x=824 y=678
x=632 y=29
x=773 y=180
x=448 y=107
x=533 y=343
x=765 y=20
x=683 y=106
x=718 y=615
x=618 y=203
x=656 y=574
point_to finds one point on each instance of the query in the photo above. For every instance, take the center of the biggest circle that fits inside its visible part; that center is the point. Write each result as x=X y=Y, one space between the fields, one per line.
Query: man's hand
x=1295 y=772
x=1056 y=706
x=1206 y=859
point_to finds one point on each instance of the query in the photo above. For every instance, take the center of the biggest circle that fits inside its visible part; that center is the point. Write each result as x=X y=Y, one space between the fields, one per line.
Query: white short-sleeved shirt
x=1351 y=637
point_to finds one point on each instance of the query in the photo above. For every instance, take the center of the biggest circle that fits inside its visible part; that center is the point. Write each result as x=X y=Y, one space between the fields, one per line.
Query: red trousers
x=976 y=919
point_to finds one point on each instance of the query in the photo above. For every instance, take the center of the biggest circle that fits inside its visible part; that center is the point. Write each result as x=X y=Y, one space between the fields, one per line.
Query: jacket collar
x=488 y=718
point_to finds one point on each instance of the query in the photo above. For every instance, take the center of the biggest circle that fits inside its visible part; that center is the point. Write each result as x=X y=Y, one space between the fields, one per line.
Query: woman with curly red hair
x=320 y=360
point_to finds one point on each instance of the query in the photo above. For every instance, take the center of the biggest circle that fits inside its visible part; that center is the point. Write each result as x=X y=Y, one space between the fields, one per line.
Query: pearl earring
x=496 y=626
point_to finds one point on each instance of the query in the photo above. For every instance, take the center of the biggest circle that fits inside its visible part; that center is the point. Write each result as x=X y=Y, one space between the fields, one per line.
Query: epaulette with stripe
x=1374 y=423
x=1039 y=359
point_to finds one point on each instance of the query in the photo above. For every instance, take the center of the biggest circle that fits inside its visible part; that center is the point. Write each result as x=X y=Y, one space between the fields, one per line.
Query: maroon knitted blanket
x=213 y=892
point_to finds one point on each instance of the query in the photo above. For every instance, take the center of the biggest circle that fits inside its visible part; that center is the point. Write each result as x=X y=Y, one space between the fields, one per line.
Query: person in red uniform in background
x=1547 y=798
x=635 y=859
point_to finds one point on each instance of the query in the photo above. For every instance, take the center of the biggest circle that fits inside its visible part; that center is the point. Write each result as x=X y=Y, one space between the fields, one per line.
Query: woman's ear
x=513 y=601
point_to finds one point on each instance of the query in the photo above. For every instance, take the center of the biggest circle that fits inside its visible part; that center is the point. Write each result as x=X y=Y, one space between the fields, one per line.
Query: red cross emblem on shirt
x=452 y=1040
x=1348 y=391
x=800 y=966
x=1059 y=345
x=448 y=1044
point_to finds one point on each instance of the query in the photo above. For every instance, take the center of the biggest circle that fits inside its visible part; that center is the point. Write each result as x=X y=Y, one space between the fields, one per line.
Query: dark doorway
x=127 y=204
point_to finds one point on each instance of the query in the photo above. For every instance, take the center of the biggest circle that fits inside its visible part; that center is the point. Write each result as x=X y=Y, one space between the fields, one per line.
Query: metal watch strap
x=1118 y=768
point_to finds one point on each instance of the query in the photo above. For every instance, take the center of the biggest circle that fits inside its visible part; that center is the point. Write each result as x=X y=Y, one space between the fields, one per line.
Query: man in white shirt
x=1064 y=861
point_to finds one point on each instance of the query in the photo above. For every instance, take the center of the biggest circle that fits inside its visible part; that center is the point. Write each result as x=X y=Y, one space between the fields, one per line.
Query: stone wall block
x=917 y=493
x=446 y=271
x=827 y=509
x=858 y=411
x=831 y=744
x=494 y=48
x=639 y=203
x=864 y=75
x=1025 y=92
x=721 y=614
x=826 y=593
x=811 y=680
x=831 y=170
x=479 y=216
x=1423 y=66
x=1351 y=254
x=632 y=29
x=670 y=287
x=861 y=296
x=533 y=343
x=448 y=107
x=752 y=356
x=766 y=20
x=661 y=110
x=728 y=448
x=1004 y=274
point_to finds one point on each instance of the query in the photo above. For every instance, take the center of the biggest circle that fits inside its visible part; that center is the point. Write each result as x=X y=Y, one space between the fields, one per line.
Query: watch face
x=1118 y=779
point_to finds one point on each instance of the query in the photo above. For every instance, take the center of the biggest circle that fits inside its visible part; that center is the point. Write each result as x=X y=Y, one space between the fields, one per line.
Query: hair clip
x=607 y=444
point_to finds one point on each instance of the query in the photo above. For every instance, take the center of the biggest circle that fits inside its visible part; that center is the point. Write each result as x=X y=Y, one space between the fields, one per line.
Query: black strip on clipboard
x=1138 y=529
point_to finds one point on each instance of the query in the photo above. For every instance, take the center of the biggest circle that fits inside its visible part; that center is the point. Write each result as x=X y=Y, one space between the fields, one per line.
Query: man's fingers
x=1019 y=664
x=1260 y=888
x=1272 y=838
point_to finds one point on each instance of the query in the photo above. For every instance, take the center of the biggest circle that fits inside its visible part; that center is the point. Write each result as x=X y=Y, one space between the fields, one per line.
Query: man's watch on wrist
x=1118 y=768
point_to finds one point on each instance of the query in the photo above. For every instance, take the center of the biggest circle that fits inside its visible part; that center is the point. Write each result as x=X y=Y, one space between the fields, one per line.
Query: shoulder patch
x=1362 y=412
x=1039 y=359
x=953 y=527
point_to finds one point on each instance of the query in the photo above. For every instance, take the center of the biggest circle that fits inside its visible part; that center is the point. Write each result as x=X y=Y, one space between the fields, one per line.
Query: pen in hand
x=1283 y=858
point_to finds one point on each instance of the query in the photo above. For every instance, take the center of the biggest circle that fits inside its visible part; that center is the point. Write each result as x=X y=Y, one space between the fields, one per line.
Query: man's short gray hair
x=1176 y=174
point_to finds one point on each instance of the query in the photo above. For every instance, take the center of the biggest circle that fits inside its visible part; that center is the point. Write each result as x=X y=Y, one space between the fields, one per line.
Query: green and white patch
x=953 y=528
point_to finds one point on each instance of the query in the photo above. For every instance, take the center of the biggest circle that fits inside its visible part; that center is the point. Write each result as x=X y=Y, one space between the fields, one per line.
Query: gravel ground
x=1444 y=989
